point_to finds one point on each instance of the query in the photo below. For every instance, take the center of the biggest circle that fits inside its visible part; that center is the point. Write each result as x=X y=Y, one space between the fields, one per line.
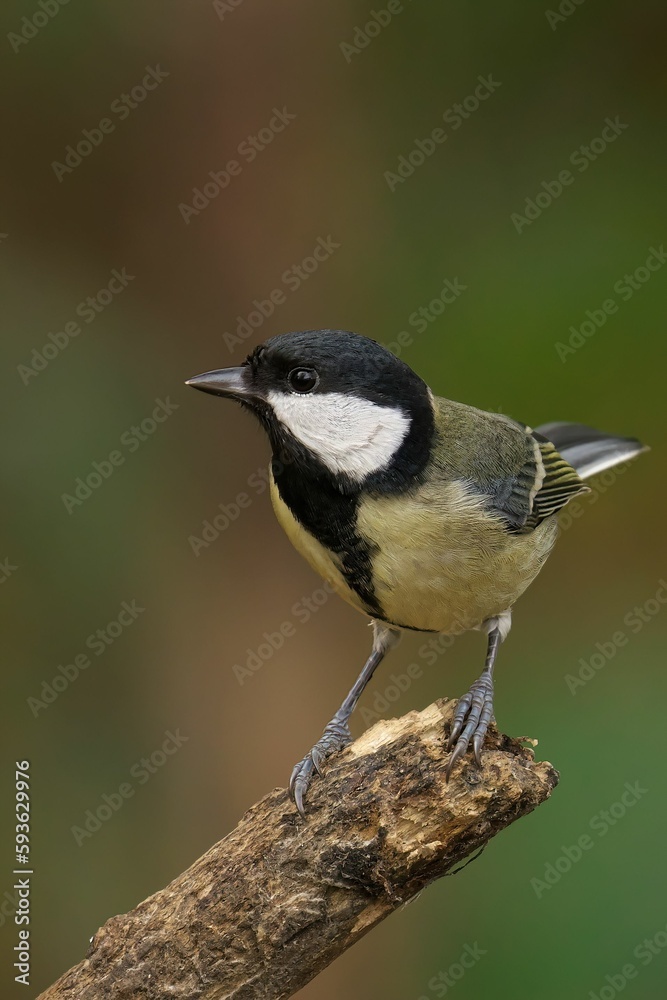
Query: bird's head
x=335 y=401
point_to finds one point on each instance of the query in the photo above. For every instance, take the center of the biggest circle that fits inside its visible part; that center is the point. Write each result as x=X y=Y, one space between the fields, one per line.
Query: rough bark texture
x=271 y=905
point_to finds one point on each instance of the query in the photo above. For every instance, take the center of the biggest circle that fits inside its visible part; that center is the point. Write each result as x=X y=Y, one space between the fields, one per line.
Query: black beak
x=231 y=382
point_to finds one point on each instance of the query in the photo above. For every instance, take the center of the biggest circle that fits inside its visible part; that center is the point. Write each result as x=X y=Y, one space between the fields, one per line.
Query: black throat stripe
x=330 y=516
x=327 y=505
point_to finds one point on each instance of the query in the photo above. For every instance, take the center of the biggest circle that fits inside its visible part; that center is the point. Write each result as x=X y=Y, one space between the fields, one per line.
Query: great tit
x=423 y=513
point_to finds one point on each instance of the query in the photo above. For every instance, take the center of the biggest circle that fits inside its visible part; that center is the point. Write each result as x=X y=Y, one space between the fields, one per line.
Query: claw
x=299 y=781
x=462 y=709
x=458 y=752
x=336 y=736
x=295 y=774
x=477 y=741
x=298 y=800
x=471 y=720
x=317 y=759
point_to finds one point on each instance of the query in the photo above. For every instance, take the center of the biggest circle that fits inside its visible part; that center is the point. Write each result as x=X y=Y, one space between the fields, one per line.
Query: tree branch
x=276 y=901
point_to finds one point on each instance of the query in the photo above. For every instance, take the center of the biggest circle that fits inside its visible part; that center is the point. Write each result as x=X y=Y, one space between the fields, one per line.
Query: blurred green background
x=357 y=111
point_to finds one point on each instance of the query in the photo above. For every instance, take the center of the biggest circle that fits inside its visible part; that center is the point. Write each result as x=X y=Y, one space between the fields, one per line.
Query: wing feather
x=520 y=473
x=560 y=484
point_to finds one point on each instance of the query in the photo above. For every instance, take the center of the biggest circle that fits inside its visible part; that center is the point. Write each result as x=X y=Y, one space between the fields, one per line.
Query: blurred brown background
x=360 y=100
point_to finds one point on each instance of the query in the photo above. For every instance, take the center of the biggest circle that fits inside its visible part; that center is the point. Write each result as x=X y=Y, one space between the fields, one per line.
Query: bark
x=271 y=905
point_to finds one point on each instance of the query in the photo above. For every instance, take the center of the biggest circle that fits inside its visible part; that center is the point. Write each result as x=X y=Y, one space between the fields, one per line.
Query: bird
x=423 y=513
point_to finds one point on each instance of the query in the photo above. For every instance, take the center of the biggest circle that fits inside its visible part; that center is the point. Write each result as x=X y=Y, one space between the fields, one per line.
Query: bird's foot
x=471 y=720
x=335 y=737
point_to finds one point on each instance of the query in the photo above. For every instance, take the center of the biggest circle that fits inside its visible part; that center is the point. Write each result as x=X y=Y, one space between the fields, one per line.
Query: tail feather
x=590 y=451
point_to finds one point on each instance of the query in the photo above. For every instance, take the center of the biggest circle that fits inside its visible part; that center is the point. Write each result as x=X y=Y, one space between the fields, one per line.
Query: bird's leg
x=474 y=711
x=337 y=734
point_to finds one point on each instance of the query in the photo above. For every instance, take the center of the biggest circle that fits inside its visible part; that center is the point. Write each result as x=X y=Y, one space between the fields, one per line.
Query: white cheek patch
x=348 y=434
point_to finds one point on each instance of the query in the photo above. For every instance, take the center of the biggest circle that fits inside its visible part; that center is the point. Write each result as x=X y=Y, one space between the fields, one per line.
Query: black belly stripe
x=331 y=517
x=410 y=628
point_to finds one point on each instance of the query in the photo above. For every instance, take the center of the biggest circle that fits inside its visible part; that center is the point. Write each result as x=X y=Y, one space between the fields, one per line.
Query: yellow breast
x=444 y=564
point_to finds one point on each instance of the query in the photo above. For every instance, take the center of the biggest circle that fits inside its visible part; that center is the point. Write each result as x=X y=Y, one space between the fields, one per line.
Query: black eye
x=303 y=379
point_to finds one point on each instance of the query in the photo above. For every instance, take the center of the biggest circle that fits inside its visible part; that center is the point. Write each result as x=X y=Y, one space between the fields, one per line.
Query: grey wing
x=518 y=469
x=542 y=484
